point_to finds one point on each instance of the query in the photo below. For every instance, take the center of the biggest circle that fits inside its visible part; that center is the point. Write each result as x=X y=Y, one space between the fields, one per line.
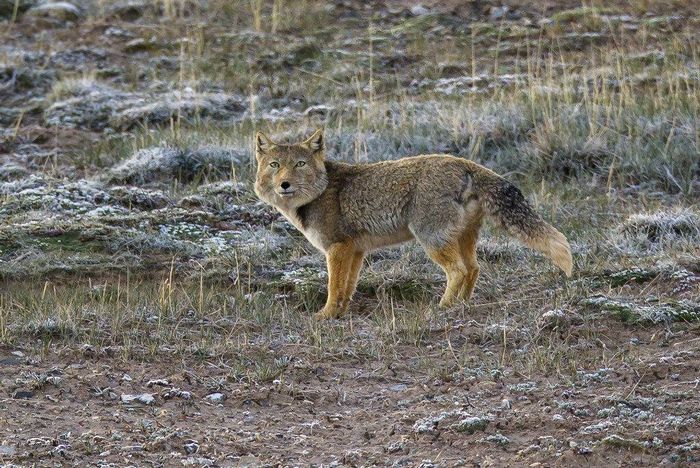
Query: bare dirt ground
x=153 y=312
x=354 y=411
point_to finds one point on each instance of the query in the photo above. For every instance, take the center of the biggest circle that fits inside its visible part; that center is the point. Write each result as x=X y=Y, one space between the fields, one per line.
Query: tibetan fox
x=346 y=210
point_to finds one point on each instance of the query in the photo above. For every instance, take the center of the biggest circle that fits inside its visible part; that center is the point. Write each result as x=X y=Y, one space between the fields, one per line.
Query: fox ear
x=262 y=143
x=315 y=142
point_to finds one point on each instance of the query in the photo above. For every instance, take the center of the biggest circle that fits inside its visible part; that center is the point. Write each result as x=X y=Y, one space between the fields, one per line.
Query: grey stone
x=215 y=397
x=143 y=398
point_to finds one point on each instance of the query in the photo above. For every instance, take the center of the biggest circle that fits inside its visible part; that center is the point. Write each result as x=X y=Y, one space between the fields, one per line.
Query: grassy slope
x=593 y=115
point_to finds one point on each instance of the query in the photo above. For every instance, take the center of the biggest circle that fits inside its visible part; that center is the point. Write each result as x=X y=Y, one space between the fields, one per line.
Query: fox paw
x=328 y=313
x=448 y=303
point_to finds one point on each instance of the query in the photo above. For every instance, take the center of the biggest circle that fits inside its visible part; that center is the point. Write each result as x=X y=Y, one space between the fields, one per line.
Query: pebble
x=191 y=447
x=161 y=382
x=145 y=398
x=215 y=397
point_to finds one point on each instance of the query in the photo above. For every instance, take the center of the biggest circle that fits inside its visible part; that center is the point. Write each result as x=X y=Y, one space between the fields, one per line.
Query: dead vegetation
x=156 y=312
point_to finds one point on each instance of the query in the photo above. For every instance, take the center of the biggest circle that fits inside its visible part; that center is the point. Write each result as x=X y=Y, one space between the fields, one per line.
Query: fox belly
x=369 y=241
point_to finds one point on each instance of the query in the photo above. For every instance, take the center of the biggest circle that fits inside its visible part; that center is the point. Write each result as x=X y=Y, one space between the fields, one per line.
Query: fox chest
x=312 y=235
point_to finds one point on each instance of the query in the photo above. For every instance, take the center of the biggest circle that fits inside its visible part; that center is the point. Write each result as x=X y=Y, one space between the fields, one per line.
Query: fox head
x=290 y=176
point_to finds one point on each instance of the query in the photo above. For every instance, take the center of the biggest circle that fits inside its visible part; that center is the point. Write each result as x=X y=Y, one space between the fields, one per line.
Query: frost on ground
x=652 y=310
x=95 y=105
x=654 y=229
x=154 y=312
x=150 y=164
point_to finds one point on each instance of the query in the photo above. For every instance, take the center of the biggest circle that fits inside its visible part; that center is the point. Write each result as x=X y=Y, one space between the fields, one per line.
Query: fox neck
x=294 y=214
x=299 y=218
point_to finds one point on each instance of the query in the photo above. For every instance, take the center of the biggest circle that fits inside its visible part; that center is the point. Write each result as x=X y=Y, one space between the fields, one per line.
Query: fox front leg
x=341 y=259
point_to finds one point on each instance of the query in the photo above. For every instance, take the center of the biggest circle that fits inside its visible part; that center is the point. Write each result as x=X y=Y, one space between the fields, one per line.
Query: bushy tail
x=508 y=207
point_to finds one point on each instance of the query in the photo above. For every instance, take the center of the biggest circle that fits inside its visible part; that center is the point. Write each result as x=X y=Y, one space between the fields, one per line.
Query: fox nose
x=285 y=185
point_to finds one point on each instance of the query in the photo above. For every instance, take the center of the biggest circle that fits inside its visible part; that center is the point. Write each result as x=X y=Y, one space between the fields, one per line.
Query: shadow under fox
x=346 y=210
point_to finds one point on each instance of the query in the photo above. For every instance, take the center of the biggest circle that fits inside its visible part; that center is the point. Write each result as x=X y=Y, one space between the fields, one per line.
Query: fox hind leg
x=449 y=258
x=353 y=274
x=467 y=245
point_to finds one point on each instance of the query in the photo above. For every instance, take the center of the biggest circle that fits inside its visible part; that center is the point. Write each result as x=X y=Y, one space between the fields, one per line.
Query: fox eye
x=274 y=164
x=300 y=164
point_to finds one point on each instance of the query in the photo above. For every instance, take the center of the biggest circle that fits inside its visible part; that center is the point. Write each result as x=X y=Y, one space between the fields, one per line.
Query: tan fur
x=346 y=210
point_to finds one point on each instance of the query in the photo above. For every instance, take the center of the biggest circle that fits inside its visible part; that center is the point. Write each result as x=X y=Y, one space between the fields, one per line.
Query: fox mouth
x=286 y=194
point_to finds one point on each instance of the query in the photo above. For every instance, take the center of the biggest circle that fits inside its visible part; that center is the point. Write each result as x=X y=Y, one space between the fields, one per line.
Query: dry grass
x=594 y=115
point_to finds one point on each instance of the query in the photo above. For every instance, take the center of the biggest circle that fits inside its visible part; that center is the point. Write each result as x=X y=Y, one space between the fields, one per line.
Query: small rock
x=161 y=382
x=176 y=392
x=202 y=461
x=144 y=398
x=215 y=397
x=506 y=404
x=53 y=380
x=191 y=447
x=105 y=392
x=61 y=450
